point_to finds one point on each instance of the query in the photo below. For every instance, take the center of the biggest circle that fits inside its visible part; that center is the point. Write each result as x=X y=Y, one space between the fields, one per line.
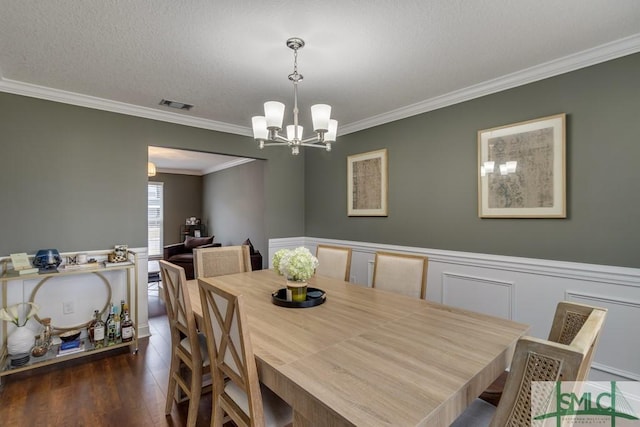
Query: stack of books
x=87 y=266
x=24 y=271
x=21 y=265
x=70 y=347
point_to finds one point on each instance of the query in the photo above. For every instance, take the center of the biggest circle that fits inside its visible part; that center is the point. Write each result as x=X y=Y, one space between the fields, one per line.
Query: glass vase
x=298 y=290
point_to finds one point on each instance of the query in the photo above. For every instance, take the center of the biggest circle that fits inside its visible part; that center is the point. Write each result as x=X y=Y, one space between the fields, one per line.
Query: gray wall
x=75 y=178
x=234 y=205
x=433 y=174
x=182 y=199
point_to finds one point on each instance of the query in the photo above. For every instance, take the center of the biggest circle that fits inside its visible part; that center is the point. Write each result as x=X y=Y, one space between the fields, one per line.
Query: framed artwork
x=367 y=183
x=521 y=170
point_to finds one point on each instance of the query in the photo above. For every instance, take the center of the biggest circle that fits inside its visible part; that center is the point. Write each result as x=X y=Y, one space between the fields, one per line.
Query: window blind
x=154 y=218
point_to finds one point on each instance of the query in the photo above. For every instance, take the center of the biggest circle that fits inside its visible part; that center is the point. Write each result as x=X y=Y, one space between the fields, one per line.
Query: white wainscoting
x=522 y=289
x=480 y=294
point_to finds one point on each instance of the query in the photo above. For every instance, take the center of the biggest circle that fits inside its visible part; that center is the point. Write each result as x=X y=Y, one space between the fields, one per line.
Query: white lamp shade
x=151 y=169
x=320 y=114
x=259 y=124
x=332 y=132
x=291 y=130
x=274 y=113
x=503 y=169
x=512 y=166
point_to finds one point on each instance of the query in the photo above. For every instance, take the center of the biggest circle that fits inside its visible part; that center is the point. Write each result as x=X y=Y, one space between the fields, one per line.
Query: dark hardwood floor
x=109 y=389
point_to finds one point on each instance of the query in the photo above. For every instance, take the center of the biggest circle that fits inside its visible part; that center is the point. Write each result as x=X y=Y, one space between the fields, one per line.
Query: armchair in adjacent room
x=182 y=253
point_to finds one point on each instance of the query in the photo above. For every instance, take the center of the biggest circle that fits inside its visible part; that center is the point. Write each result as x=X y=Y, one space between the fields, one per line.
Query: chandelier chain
x=295 y=77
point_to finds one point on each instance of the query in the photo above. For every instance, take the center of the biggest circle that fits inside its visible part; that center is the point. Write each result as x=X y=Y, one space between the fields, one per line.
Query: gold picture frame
x=521 y=169
x=367 y=183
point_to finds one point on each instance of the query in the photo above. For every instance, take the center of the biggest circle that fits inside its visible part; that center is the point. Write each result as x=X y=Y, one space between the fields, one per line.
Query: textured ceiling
x=373 y=60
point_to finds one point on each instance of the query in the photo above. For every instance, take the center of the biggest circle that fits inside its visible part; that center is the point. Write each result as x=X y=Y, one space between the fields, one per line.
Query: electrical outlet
x=67 y=307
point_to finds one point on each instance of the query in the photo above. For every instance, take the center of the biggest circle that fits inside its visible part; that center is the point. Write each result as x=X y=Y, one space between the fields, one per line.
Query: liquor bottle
x=110 y=339
x=117 y=320
x=106 y=322
x=127 y=327
x=91 y=326
x=123 y=307
x=98 y=331
x=46 y=333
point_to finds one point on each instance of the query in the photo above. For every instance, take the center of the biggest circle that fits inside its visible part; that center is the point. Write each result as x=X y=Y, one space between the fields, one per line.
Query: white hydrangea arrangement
x=296 y=264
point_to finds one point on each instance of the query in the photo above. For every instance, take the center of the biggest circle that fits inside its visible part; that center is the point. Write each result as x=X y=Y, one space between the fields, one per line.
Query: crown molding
x=179 y=171
x=216 y=168
x=72 y=98
x=227 y=165
x=586 y=58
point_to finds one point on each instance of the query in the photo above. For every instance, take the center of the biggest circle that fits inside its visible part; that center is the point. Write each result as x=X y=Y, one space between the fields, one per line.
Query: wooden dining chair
x=242 y=398
x=188 y=347
x=334 y=261
x=533 y=360
x=401 y=273
x=219 y=261
x=568 y=320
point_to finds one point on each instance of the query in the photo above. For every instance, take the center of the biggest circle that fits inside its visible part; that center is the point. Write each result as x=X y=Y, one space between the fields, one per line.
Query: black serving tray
x=315 y=297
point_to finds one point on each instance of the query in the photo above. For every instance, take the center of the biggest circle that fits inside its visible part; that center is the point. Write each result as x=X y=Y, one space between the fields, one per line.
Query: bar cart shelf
x=8 y=279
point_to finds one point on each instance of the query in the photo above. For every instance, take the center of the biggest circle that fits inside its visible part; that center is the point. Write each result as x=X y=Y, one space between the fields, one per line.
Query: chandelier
x=266 y=129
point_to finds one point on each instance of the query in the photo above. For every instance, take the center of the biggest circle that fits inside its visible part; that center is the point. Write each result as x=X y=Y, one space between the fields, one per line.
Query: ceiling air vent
x=176 y=104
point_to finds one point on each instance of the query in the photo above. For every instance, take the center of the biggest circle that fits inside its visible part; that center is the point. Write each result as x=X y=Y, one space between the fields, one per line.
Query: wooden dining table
x=367 y=357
